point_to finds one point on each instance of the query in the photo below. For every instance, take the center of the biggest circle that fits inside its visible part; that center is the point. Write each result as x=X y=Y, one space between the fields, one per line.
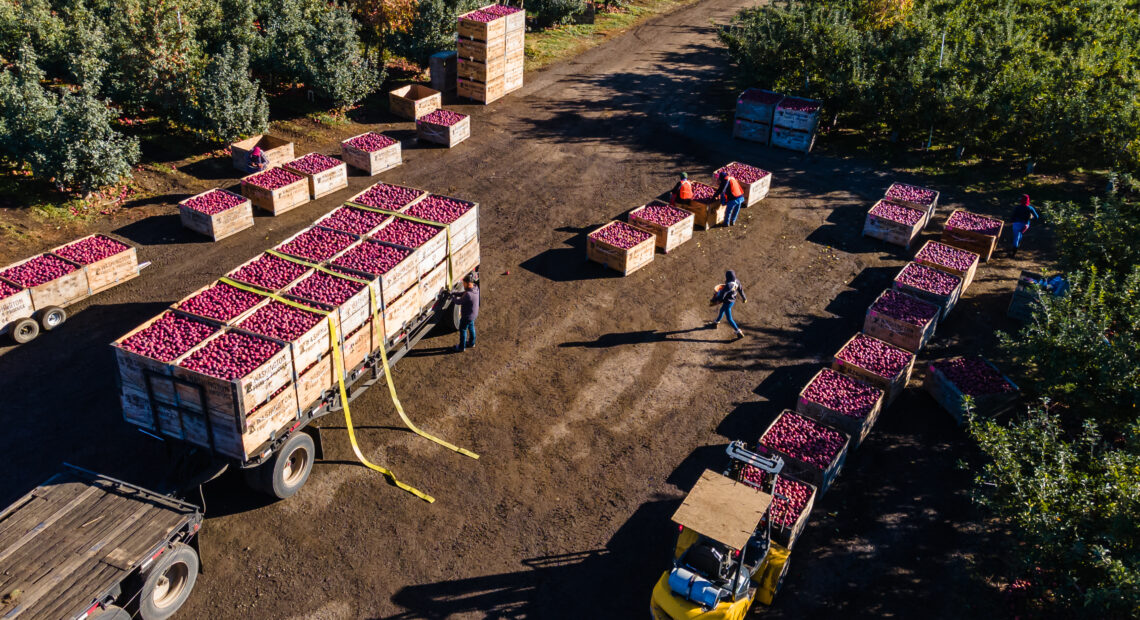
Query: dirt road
x=595 y=400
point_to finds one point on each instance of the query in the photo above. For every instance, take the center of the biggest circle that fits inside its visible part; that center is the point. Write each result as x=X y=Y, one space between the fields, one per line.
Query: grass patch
x=561 y=42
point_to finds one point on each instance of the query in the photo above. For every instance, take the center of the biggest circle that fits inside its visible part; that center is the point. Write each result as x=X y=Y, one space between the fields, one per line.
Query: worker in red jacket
x=683 y=190
x=732 y=194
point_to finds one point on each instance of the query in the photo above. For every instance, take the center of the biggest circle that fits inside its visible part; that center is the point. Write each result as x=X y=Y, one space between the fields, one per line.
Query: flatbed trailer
x=86 y=546
x=281 y=466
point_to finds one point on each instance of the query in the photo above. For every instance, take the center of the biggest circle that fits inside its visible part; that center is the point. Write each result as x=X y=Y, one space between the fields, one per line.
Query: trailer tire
x=168 y=582
x=24 y=331
x=52 y=317
x=111 y=612
x=287 y=471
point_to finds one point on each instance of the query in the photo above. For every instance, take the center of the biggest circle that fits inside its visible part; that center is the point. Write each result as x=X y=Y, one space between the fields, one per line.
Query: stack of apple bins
x=490 y=52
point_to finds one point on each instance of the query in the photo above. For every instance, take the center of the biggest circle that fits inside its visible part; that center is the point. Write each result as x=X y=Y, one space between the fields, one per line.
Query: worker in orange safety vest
x=732 y=194
x=683 y=190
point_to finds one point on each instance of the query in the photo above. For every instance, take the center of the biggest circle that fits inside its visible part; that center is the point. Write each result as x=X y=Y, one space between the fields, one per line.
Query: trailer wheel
x=287 y=471
x=25 y=330
x=167 y=584
x=111 y=612
x=52 y=317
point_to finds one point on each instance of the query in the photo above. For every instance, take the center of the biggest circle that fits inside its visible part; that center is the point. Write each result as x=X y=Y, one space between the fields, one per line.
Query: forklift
x=724 y=558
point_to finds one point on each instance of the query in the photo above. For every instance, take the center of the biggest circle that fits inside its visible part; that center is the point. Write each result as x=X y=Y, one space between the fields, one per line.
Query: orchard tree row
x=70 y=68
x=1030 y=79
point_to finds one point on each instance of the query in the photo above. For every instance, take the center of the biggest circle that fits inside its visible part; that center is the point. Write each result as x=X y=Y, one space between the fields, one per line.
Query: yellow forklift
x=724 y=558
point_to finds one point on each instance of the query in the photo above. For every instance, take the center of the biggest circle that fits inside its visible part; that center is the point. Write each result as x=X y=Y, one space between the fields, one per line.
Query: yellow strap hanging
x=338 y=368
x=396 y=399
x=384 y=359
x=338 y=364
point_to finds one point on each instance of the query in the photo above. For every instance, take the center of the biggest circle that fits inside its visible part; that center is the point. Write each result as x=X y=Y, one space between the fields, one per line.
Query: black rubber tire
x=286 y=471
x=24 y=331
x=52 y=317
x=168 y=582
x=111 y=612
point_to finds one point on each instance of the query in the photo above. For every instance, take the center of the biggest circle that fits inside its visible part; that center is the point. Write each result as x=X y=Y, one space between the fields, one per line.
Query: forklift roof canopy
x=723 y=509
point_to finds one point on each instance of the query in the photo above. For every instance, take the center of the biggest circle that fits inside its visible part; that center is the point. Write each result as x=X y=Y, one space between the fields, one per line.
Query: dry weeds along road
x=595 y=400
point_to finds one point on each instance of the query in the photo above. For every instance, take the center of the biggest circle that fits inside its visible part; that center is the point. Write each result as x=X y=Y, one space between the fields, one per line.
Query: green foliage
x=336 y=69
x=555 y=12
x=67 y=139
x=152 y=51
x=82 y=151
x=1072 y=500
x=226 y=104
x=1031 y=78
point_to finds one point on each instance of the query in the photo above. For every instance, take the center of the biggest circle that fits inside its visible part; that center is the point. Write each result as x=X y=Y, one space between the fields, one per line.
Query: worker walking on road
x=1022 y=215
x=257 y=160
x=468 y=302
x=732 y=194
x=726 y=295
x=683 y=190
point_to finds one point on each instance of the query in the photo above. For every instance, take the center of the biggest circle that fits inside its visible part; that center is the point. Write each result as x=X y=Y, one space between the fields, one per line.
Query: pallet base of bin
x=219 y=225
x=744 y=129
x=949 y=397
x=620 y=259
x=667 y=237
x=821 y=478
x=375 y=162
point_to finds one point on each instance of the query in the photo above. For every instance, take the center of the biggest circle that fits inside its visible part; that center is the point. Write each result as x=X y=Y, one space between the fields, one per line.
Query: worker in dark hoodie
x=726 y=295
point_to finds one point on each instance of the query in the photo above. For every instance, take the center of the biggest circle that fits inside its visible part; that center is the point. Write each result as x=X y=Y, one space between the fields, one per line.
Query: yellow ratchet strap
x=396 y=399
x=384 y=358
x=338 y=364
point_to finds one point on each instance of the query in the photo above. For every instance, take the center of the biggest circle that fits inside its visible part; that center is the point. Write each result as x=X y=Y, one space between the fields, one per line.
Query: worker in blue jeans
x=468 y=302
x=1022 y=215
x=726 y=295
x=730 y=193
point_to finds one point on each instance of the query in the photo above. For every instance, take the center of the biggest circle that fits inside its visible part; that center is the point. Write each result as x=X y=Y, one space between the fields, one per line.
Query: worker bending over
x=730 y=193
x=257 y=160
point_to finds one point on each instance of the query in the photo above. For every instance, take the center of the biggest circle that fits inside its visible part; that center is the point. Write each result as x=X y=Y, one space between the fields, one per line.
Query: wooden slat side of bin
x=821 y=478
x=967 y=275
x=414 y=101
x=893 y=386
x=950 y=398
x=756 y=111
x=621 y=259
x=666 y=237
x=60 y=292
x=277 y=201
x=744 y=129
x=482 y=70
x=706 y=213
x=899 y=333
x=446 y=135
x=884 y=229
x=475 y=49
x=110 y=271
x=219 y=225
x=978 y=243
x=856 y=428
x=324 y=182
x=372 y=163
x=945 y=303
x=15 y=307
